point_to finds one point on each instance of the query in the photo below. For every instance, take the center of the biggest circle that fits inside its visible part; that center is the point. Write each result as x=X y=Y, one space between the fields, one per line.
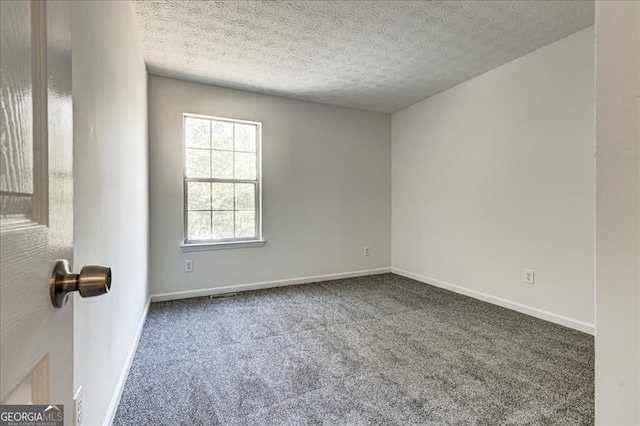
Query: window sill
x=222 y=246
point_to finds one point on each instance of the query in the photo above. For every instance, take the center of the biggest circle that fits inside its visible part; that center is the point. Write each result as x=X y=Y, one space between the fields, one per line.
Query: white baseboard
x=264 y=284
x=515 y=306
x=115 y=400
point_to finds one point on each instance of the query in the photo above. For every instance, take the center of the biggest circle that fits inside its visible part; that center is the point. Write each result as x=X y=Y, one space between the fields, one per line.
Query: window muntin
x=221 y=180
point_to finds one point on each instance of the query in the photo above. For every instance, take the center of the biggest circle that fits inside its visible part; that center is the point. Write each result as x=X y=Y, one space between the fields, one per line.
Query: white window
x=221 y=182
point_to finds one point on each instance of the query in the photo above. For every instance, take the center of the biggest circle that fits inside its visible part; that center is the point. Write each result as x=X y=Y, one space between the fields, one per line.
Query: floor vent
x=222 y=295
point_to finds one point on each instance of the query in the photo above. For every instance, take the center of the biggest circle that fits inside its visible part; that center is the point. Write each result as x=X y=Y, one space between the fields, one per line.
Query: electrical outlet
x=77 y=402
x=367 y=251
x=188 y=265
x=528 y=276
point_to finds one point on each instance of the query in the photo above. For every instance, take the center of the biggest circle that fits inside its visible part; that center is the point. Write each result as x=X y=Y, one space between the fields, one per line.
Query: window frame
x=213 y=244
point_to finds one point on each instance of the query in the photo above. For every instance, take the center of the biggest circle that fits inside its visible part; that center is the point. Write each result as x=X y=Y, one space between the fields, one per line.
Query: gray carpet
x=372 y=350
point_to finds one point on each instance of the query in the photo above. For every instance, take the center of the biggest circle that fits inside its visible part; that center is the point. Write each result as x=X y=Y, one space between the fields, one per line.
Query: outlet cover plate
x=77 y=405
x=528 y=276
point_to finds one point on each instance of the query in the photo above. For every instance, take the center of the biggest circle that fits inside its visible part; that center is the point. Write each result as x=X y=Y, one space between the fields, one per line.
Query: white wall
x=618 y=213
x=326 y=189
x=496 y=175
x=111 y=195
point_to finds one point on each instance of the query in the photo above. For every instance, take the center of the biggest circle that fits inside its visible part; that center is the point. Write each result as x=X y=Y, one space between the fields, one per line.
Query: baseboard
x=515 y=306
x=264 y=284
x=117 y=394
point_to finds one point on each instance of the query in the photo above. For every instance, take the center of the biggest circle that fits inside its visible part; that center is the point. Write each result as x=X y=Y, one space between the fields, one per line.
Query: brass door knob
x=93 y=280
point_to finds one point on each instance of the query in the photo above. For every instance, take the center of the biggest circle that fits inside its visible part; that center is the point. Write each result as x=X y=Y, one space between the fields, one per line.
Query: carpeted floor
x=372 y=350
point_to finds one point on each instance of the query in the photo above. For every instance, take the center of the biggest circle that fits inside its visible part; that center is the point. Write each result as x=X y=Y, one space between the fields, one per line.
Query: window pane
x=245 y=137
x=245 y=196
x=198 y=163
x=245 y=165
x=222 y=196
x=222 y=155
x=197 y=133
x=222 y=225
x=199 y=195
x=222 y=164
x=245 y=224
x=199 y=225
x=221 y=135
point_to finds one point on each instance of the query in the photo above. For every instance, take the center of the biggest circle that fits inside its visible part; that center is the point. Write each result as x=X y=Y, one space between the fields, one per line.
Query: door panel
x=24 y=334
x=16 y=141
x=34 y=388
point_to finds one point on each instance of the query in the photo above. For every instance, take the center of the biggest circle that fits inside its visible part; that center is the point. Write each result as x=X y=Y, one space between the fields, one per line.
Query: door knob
x=93 y=280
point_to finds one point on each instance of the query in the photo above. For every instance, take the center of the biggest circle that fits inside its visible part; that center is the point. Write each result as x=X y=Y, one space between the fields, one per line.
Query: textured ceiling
x=372 y=55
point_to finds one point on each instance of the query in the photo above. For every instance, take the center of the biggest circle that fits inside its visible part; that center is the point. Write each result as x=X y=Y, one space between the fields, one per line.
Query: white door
x=36 y=202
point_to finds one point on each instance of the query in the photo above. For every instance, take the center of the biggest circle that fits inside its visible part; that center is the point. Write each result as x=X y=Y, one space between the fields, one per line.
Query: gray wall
x=326 y=189
x=496 y=175
x=111 y=196
x=618 y=213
